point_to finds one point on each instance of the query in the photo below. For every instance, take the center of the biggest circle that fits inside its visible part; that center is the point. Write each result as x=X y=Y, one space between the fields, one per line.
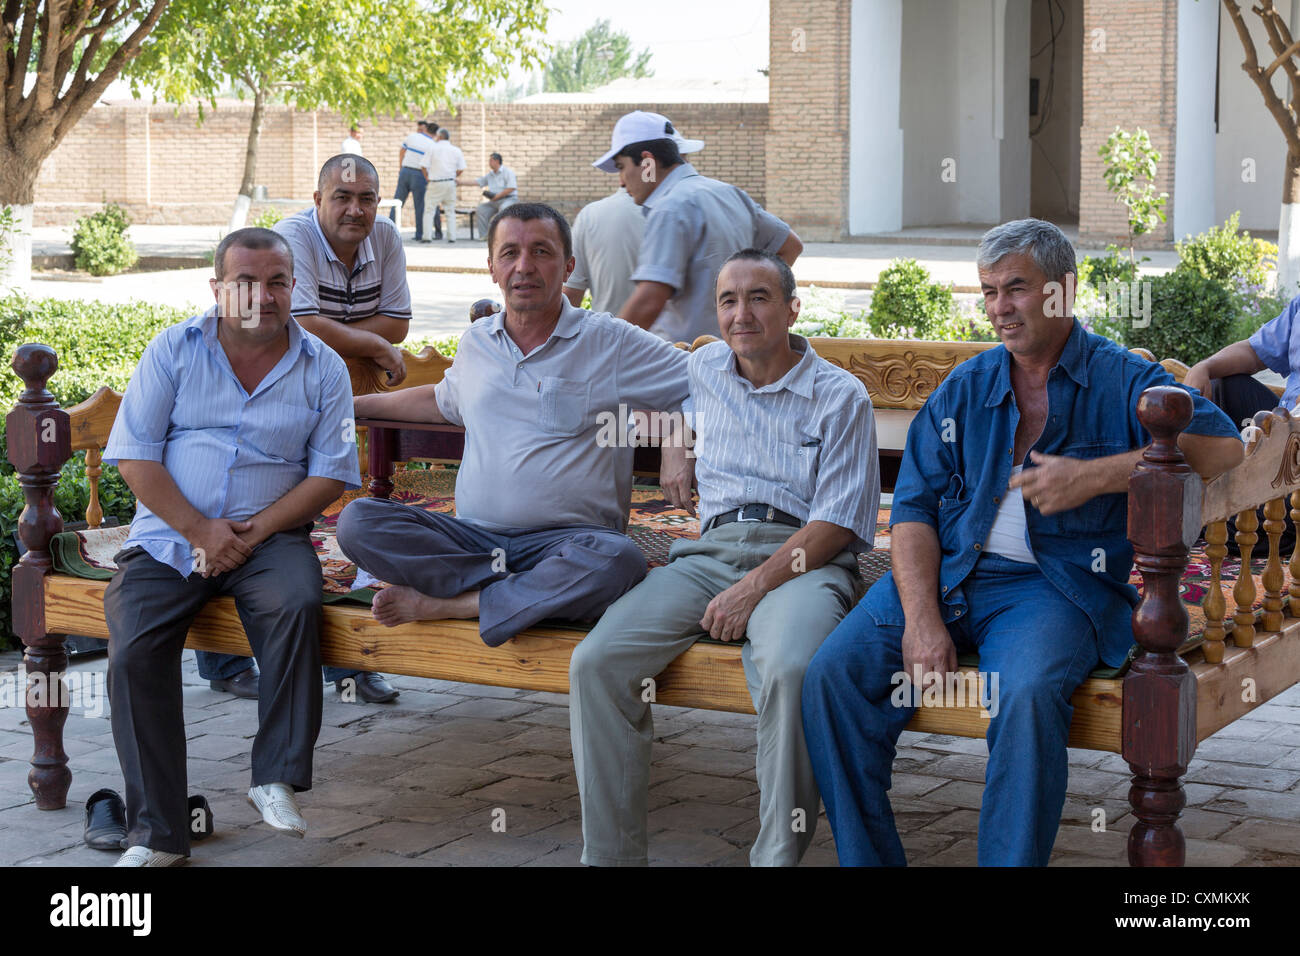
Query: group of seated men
x=235 y=434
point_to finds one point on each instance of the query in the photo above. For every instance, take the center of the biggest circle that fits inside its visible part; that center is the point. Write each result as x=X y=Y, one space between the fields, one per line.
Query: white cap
x=639 y=127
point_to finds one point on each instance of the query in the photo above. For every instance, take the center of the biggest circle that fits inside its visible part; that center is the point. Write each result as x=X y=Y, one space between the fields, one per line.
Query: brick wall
x=1131 y=83
x=166 y=169
x=808 y=108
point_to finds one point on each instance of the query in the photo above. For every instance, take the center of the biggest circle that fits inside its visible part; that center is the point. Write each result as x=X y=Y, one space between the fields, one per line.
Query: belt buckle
x=740 y=516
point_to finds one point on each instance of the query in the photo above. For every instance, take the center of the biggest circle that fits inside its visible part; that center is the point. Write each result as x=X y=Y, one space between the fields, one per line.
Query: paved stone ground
x=416 y=783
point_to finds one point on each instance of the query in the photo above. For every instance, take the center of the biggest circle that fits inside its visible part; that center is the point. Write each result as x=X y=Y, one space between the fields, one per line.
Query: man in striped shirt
x=350 y=291
x=789 y=488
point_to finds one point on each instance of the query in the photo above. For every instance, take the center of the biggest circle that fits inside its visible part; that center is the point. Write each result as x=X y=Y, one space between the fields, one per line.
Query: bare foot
x=399 y=604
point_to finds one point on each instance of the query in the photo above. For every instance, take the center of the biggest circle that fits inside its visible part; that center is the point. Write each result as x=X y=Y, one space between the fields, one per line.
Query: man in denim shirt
x=1029 y=568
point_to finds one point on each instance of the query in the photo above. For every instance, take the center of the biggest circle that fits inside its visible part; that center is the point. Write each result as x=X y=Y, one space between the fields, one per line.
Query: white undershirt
x=1008 y=536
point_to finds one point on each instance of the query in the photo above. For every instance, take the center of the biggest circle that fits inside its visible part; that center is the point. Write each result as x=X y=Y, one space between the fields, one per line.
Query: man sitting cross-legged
x=542 y=495
x=789 y=487
x=1009 y=538
x=231 y=435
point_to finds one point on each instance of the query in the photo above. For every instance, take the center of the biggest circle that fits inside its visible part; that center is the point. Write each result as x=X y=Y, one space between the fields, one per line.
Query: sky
x=725 y=39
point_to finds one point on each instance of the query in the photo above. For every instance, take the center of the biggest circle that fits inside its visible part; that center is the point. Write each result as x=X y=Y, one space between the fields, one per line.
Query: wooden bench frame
x=1154 y=715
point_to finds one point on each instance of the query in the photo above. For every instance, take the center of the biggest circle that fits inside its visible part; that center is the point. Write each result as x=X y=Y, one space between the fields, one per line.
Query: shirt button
x=959 y=612
x=520 y=365
x=977 y=547
x=995 y=499
x=945 y=589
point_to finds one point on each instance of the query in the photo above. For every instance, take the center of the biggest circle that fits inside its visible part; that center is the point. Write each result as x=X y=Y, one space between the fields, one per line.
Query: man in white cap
x=693 y=224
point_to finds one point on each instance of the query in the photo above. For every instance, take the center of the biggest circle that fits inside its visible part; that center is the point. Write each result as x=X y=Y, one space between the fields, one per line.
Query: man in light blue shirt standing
x=693 y=224
x=234 y=435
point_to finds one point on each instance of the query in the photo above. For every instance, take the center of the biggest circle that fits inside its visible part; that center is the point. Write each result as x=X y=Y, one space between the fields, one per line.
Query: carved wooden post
x=380 y=450
x=40 y=441
x=1164 y=517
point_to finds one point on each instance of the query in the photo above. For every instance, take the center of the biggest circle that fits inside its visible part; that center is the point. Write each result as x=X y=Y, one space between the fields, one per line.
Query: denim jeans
x=411 y=180
x=1041 y=647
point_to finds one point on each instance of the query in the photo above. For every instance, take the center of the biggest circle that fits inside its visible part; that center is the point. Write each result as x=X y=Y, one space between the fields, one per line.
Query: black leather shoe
x=200 y=817
x=105 y=820
x=244 y=684
x=370 y=687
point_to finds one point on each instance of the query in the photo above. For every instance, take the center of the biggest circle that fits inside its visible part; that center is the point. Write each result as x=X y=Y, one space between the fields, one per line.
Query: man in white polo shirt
x=443 y=165
x=500 y=189
x=412 y=178
x=606 y=242
x=542 y=495
x=692 y=224
x=789 y=486
x=350 y=291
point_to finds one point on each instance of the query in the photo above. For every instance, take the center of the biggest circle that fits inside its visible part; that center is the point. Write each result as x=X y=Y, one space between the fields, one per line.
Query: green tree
x=599 y=56
x=1130 y=174
x=361 y=58
x=58 y=59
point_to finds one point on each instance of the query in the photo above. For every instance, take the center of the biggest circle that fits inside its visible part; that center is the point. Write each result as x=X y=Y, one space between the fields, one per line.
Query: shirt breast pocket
x=285 y=430
x=564 y=405
x=1103 y=512
x=797 y=467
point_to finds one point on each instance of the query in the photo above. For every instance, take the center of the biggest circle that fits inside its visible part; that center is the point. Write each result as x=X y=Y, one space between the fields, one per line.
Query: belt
x=754 y=512
x=447 y=180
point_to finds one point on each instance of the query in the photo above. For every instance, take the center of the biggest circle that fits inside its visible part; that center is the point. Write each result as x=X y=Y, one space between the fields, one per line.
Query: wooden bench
x=1154 y=715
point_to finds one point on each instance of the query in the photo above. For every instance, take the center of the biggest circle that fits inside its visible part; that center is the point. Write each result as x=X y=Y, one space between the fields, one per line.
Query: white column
x=875 y=137
x=1193 y=200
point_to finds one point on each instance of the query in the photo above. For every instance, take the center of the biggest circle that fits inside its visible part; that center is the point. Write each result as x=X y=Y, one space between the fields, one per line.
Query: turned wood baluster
x=40 y=441
x=1159 y=714
x=1214 y=606
x=94 y=468
x=1293 y=590
x=1243 y=622
x=1272 y=578
x=381 y=446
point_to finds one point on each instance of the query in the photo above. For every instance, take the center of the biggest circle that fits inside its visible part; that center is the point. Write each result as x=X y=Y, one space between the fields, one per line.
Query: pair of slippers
x=106 y=820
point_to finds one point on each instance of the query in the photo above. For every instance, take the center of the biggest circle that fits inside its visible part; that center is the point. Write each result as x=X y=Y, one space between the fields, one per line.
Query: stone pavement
x=421 y=782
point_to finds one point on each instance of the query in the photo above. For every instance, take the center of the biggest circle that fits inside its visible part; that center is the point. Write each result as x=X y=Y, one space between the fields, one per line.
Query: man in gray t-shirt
x=543 y=390
x=606 y=243
x=693 y=224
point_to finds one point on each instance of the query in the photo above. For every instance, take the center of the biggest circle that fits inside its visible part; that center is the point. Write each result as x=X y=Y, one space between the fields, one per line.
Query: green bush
x=268 y=218
x=1114 y=266
x=97 y=344
x=100 y=243
x=1192 y=317
x=1230 y=256
x=906 y=304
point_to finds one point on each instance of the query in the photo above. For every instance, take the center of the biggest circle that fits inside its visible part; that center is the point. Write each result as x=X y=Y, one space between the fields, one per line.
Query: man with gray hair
x=1009 y=539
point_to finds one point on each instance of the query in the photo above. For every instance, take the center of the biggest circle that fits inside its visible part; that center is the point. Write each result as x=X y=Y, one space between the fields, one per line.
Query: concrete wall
x=166 y=169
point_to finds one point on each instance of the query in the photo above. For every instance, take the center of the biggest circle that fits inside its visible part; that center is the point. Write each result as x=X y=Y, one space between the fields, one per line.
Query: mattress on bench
x=654 y=525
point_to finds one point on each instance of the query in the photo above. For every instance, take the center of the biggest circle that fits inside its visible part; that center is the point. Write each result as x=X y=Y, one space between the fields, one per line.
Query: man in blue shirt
x=233 y=434
x=1008 y=538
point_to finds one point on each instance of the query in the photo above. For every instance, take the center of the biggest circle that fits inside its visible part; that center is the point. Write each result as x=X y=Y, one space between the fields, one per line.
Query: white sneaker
x=143 y=856
x=279 y=808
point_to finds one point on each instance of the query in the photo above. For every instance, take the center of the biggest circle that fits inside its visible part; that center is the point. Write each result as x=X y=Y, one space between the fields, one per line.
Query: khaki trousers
x=642 y=632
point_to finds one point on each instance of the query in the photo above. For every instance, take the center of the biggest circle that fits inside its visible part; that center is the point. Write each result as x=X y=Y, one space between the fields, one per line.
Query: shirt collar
x=566 y=327
x=365 y=251
x=798 y=380
x=670 y=182
x=1073 y=361
x=205 y=325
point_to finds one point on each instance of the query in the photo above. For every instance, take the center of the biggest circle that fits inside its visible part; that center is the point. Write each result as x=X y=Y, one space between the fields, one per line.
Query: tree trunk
x=18 y=171
x=239 y=216
x=1288 y=232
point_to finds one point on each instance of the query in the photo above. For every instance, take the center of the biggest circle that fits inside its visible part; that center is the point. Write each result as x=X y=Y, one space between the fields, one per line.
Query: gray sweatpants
x=523 y=575
x=645 y=630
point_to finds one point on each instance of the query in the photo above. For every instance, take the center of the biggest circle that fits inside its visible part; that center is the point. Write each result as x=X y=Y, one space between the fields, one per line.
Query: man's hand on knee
x=928 y=648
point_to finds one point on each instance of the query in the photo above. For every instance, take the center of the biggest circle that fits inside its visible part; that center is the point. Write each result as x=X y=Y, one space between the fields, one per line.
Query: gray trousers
x=487 y=209
x=610 y=721
x=523 y=575
x=149 y=608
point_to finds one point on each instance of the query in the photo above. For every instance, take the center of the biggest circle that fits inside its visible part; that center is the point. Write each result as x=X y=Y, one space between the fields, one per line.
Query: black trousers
x=1240 y=397
x=150 y=608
